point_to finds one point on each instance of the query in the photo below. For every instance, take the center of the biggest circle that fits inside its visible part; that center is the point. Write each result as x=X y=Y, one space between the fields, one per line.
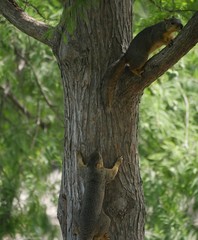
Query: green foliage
x=31 y=136
x=31 y=123
x=168 y=136
x=169 y=153
x=144 y=16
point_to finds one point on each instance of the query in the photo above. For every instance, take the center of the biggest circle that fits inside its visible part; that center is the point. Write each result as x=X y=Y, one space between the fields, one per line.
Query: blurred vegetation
x=168 y=136
x=31 y=134
x=31 y=131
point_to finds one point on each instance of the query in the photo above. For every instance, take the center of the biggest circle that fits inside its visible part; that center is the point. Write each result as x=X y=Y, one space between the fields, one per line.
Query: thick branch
x=36 y=29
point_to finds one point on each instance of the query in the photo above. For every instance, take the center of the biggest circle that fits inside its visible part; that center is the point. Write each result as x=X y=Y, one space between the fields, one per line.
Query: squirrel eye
x=172 y=23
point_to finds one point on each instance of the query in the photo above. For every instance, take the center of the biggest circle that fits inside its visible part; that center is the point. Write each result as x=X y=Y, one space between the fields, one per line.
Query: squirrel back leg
x=103 y=227
x=136 y=67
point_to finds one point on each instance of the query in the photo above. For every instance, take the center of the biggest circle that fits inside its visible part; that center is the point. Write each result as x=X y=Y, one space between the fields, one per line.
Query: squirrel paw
x=120 y=160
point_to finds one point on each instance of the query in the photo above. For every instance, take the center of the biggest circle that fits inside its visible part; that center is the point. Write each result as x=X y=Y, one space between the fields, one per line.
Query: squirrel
x=92 y=222
x=145 y=42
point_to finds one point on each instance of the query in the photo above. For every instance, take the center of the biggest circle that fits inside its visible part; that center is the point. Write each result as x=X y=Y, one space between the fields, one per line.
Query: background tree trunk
x=83 y=62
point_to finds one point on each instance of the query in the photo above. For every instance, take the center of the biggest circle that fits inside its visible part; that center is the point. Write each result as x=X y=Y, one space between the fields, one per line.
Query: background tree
x=88 y=126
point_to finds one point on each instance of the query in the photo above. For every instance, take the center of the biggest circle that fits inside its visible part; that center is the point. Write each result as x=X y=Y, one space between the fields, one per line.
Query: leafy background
x=31 y=132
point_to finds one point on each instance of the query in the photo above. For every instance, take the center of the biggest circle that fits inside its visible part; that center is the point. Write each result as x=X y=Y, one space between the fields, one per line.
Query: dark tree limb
x=36 y=29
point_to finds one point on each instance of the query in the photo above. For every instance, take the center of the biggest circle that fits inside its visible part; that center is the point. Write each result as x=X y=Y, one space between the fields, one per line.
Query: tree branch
x=36 y=29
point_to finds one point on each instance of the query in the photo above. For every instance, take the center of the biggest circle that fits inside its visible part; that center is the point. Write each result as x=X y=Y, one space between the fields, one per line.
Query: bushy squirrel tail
x=117 y=69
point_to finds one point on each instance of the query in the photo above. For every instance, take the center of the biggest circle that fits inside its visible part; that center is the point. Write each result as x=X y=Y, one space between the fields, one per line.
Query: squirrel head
x=95 y=160
x=173 y=24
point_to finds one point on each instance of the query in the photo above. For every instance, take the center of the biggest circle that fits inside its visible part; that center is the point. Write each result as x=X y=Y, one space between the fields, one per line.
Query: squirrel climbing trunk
x=93 y=222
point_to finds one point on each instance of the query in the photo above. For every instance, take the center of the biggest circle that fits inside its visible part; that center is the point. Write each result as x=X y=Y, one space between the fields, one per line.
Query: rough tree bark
x=83 y=60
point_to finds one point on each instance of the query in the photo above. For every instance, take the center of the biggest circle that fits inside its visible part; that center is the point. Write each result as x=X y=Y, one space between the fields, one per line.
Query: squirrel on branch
x=92 y=222
x=145 y=42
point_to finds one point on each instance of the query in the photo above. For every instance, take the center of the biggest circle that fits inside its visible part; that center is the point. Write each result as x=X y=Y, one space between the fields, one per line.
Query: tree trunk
x=89 y=126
